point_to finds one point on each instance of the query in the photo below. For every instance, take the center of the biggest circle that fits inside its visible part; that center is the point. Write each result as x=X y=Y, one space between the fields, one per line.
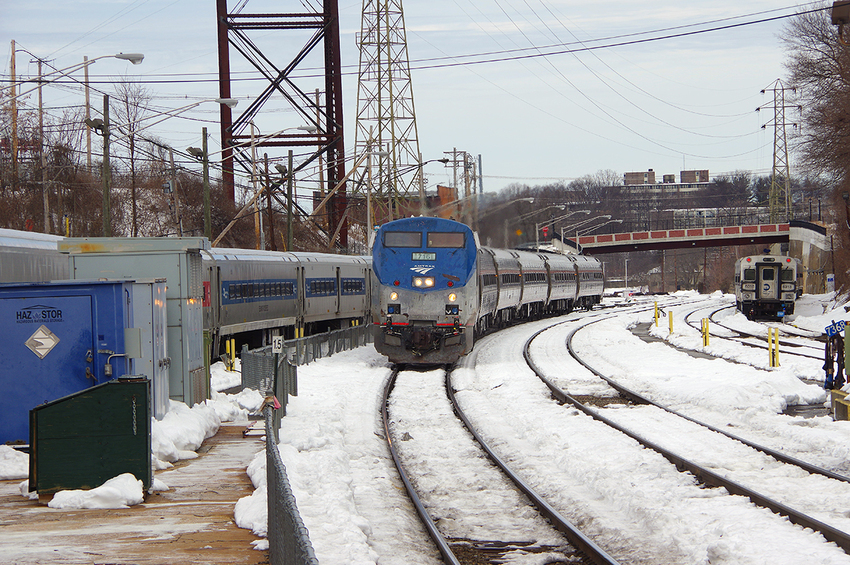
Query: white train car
x=767 y=286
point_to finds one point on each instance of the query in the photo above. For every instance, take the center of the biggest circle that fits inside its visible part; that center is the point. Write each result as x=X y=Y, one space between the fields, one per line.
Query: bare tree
x=133 y=100
x=819 y=68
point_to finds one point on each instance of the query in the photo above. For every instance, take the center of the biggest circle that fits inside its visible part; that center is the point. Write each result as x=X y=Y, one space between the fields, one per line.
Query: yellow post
x=233 y=354
x=670 y=317
x=227 y=352
x=773 y=346
x=705 y=332
x=656 y=313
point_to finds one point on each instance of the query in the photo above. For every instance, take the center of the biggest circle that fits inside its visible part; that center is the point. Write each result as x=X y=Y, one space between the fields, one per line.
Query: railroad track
x=744 y=337
x=446 y=512
x=832 y=522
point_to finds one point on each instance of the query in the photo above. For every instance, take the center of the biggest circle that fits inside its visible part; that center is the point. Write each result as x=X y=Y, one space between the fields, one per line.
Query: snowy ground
x=630 y=500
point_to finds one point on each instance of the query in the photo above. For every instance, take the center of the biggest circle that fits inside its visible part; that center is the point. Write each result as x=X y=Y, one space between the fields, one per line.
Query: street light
x=528 y=215
x=552 y=221
x=134 y=58
x=102 y=127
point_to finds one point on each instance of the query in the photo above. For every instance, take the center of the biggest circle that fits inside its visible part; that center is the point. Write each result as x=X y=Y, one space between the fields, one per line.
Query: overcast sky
x=681 y=103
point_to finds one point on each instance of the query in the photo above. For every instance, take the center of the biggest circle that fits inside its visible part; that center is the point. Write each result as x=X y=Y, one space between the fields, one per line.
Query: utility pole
x=207 y=214
x=88 y=115
x=176 y=193
x=107 y=172
x=14 y=123
x=272 y=242
x=44 y=194
x=289 y=181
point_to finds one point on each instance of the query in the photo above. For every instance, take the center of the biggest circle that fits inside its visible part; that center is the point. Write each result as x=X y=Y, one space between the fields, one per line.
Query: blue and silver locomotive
x=425 y=303
x=436 y=288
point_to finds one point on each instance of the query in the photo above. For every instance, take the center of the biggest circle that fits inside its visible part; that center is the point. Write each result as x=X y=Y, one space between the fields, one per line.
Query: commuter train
x=767 y=286
x=30 y=257
x=253 y=293
x=247 y=294
x=436 y=288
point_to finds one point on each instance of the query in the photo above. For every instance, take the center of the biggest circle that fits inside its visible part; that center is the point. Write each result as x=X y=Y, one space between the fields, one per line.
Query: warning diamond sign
x=42 y=342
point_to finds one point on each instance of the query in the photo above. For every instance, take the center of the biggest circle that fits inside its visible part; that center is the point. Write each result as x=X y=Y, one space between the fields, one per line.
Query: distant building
x=693 y=176
x=630 y=179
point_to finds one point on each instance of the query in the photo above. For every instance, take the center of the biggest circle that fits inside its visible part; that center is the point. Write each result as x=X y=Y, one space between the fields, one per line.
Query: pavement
x=192 y=522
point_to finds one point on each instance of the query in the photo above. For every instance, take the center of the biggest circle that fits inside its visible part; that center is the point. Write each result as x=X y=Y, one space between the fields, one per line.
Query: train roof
x=28 y=239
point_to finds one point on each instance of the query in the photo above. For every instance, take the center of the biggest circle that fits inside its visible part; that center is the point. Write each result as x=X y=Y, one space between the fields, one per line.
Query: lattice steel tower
x=780 y=179
x=386 y=120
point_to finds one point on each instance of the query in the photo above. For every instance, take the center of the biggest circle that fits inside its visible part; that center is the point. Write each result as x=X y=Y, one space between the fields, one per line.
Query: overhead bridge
x=688 y=238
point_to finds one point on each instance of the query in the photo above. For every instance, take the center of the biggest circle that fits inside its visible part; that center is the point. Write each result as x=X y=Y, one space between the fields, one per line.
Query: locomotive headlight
x=423 y=282
x=452 y=297
x=393 y=296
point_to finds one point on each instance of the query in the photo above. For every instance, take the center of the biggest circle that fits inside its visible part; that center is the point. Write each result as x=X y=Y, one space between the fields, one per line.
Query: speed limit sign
x=277 y=344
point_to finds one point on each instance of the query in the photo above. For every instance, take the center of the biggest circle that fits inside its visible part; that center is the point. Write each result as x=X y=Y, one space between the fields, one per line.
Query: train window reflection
x=767 y=275
x=787 y=274
x=403 y=239
x=445 y=239
x=749 y=274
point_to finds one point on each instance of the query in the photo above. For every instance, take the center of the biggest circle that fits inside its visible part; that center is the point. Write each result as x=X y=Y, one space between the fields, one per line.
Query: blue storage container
x=60 y=338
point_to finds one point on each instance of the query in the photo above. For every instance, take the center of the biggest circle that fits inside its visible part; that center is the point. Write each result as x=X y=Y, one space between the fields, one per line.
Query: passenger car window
x=749 y=274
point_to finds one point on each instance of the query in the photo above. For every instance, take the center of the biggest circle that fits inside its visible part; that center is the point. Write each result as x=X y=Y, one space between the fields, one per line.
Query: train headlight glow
x=423 y=282
x=393 y=296
x=452 y=297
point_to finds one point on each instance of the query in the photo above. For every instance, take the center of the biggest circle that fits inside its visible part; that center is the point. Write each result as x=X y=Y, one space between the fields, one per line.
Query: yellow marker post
x=705 y=332
x=656 y=313
x=773 y=346
x=670 y=317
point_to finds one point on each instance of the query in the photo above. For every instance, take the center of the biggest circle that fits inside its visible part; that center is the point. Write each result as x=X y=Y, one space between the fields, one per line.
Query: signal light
x=450 y=283
x=396 y=283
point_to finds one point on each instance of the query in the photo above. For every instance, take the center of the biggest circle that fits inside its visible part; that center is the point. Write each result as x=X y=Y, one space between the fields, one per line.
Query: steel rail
x=702 y=474
x=785 y=343
x=449 y=557
x=581 y=542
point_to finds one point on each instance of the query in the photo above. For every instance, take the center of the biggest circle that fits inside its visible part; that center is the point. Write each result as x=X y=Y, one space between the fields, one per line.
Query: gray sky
x=681 y=103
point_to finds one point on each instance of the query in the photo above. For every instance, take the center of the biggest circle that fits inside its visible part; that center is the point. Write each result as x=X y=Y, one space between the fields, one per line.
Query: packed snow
x=627 y=498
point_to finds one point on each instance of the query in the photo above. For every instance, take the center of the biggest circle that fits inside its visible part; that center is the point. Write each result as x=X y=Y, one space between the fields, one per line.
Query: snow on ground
x=356 y=512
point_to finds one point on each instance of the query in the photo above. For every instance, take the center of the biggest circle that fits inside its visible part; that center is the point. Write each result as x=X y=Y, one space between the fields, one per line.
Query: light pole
x=552 y=221
x=204 y=156
x=528 y=215
x=134 y=58
x=102 y=126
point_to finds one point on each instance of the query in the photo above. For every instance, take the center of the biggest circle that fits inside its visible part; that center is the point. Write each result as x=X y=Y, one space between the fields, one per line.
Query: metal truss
x=386 y=119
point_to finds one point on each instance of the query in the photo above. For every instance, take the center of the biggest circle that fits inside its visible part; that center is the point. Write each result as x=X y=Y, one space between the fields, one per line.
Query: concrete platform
x=190 y=523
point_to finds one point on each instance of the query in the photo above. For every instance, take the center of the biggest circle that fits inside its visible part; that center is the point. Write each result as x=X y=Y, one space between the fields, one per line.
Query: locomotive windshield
x=446 y=239
x=749 y=274
x=402 y=239
x=787 y=274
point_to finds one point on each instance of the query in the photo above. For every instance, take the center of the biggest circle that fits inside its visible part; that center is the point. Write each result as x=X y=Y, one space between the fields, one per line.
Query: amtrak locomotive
x=436 y=288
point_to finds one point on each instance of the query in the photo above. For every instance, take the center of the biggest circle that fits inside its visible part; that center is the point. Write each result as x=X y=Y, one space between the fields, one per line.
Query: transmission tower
x=780 y=179
x=386 y=120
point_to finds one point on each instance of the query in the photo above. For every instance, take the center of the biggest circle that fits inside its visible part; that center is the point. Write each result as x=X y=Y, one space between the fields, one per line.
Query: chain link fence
x=289 y=540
